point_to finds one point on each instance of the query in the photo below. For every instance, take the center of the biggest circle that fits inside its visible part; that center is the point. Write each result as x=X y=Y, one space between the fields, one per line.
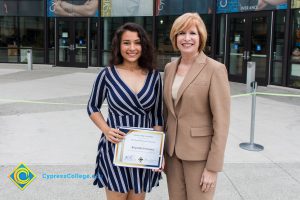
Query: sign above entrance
x=178 y=7
x=231 y=6
x=123 y=8
x=295 y=4
x=72 y=8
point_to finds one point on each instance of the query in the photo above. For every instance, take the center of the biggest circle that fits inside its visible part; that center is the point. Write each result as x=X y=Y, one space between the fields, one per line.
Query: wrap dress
x=125 y=108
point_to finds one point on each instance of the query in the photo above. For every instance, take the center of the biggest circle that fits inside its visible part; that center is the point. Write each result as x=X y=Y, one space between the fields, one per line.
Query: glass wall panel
x=208 y=23
x=259 y=46
x=278 y=48
x=81 y=50
x=22 y=7
x=237 y=45
x=51 y=40
x=220 y=37
x=64 y=41
x=93 y=42
x=294 y=78
x=31 y=31
x=9 y=39
x=163 y=43
x=276 y=76
x=17 y=35
x=31 y=7
x=9 y=8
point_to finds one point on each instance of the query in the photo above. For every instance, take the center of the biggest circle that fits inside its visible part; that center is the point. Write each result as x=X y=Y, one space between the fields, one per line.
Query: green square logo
x=22 y=176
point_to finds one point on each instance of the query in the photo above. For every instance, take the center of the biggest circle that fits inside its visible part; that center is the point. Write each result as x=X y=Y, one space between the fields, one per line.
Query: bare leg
x=110 y=195
x=135 y=196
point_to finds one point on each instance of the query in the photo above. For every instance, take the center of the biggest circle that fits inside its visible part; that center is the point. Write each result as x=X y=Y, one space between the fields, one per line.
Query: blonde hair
x=184 y=22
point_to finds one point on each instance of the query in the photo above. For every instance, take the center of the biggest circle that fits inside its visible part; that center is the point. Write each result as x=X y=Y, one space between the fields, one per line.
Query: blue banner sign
x=232 y=6
x=178 y=7
x=72 y=8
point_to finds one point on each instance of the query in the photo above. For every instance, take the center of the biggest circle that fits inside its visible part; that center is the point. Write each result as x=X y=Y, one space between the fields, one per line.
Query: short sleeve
x=98 y=93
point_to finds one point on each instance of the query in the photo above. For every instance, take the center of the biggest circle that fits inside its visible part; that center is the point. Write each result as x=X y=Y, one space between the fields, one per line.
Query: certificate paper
x=141 y=148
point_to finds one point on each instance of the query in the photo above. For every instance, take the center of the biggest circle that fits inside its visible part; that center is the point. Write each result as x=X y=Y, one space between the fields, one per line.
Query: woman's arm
x=59 y=10
x=89 y=8
x=219 y=96
x=111 y=134
x=275 y=2
x=219 y=101
x=263 y=3
x=98 y=95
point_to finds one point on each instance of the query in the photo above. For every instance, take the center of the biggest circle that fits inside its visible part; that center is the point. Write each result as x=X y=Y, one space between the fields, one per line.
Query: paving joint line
x=278 y=165
x=233 y=185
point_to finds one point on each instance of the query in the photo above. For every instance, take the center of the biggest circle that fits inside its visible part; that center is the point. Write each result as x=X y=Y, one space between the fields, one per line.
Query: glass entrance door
x=71 y=43
x=249 y=40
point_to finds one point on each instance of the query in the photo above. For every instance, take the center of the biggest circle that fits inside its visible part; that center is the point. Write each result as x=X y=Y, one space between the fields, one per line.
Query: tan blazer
x=197 y=122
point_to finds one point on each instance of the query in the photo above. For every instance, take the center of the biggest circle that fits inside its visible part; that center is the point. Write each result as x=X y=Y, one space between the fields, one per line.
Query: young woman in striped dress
x=133 y=91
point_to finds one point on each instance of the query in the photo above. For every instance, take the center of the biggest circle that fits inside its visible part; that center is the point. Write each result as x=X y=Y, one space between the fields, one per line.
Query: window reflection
x=51 y=41
x=294 y=80
x=220 y=38
x=207 y=19
x=22 y=7
x=163 y=43
x=17 y=34
x=32 y=32
x=278 y=48
x=93 y=42
x=296 y=35
x=8 y=39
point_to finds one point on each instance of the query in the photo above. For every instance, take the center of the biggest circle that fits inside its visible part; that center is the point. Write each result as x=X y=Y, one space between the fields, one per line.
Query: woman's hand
x=159 y=128
x=66 y=6
x=261 y=4
x=208 y=180
x=162 y=166
x=58 y=9
x=114 y=135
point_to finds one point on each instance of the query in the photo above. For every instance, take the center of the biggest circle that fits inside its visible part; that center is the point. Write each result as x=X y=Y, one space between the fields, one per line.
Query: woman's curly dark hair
x=146 y=60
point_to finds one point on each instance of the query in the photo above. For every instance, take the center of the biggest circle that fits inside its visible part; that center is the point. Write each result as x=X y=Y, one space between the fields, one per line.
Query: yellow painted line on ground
x=240 y=95
x=80 y=104
x=266 y=94
x=276 y=94
x=43 y=102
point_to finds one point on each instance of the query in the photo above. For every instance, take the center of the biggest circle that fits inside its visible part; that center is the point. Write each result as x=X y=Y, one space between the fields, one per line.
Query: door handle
x=71 y=47
x=246 y=55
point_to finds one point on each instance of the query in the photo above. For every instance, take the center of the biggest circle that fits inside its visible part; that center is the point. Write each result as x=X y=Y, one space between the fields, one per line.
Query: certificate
x=141 y=148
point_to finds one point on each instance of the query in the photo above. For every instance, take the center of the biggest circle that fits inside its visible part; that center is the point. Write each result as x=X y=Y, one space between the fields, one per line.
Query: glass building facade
x=78 y=33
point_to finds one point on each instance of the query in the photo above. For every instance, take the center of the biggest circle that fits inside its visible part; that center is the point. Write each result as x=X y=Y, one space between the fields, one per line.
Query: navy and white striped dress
x=125 y=108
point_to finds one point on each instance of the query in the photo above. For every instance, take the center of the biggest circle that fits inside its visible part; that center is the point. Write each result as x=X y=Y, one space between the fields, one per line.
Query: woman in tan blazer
x=197 y=112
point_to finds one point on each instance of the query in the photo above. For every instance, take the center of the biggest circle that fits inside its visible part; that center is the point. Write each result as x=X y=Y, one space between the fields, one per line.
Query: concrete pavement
x=43 y=123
